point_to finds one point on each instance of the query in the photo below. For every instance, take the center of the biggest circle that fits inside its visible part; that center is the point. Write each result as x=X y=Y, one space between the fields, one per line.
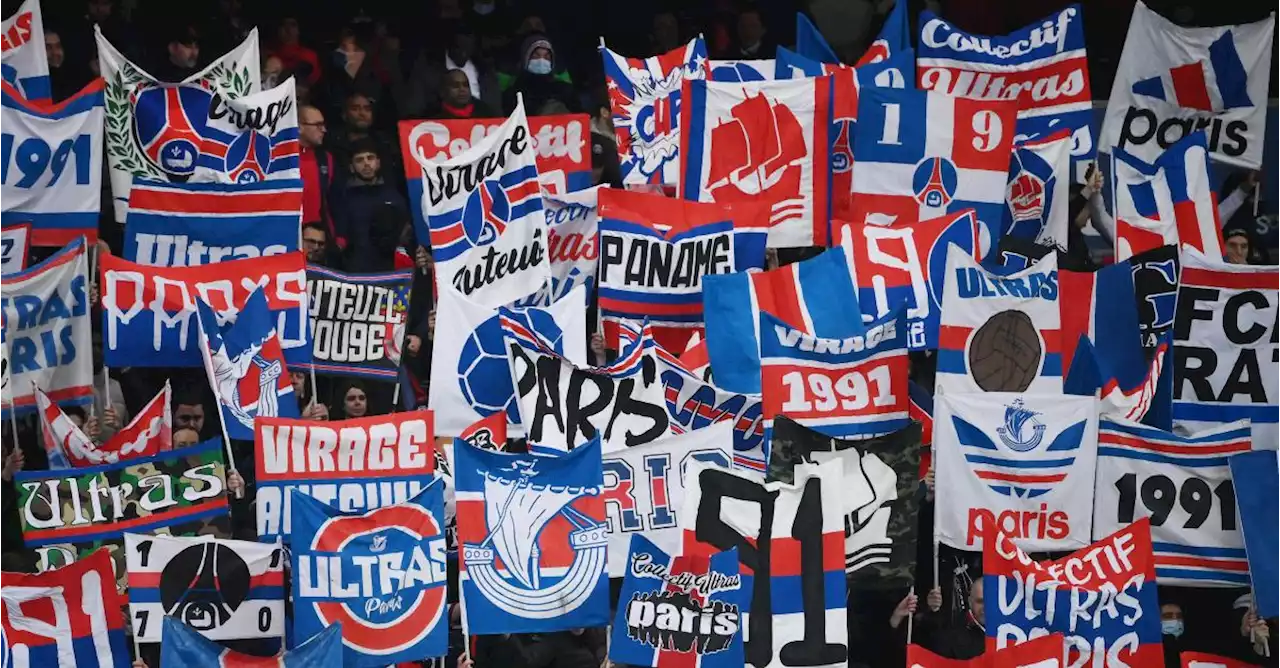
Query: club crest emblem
x=1023 y=468
x=1021 y=431
x=486 y=214
x=934 y=182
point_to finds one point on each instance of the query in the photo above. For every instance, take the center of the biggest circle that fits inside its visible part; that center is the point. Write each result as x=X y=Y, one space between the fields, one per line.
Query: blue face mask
x=1171 y=627
x=539 y=66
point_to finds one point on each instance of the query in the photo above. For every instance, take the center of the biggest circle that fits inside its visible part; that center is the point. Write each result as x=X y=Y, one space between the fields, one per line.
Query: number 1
x=892 y=119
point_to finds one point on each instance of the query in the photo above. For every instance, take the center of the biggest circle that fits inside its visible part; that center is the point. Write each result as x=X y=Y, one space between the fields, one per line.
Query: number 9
x=32 y=159
x=986 y=125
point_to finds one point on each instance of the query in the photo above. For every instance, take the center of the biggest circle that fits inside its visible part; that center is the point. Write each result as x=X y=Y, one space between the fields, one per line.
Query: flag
x=1042 y=652
x=814 y=295
x=1155 y=285
x=190 y=224
x=544 y=519
x=245 y=366
x=25 y=61
x=894 y=37
x=1204 y=660
x=149 y=433
x=1169 y=202
x=761 y=142
x=15 y=246
x=741 y=71
x=704 y=594
x=573 y=244
x=1254 y=475
x=1038 y=193
x=183 y=646
x=810 y=43
x=644 y=95
x=1172 y=81
x=351 y=569
x=1183 y=483
x=920 y=410
x=358 y=322
x=655 y=253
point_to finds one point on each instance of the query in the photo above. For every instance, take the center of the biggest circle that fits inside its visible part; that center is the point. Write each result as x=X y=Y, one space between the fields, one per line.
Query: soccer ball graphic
x=484 y=376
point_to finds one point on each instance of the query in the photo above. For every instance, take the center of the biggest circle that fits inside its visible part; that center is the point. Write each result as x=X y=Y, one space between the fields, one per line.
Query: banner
x=1038 y=194
x=470 y=375
x=149 y=433
x=225 y=589
x=1016 y=464
x=1203 y=660
x=923 y=154
x=24 y=59
x=15 y=246
x=1042 y=652
x=1101 y=598
x=184 y=647
x=48 y=337
x=644 y=96
x=999 y=333
x=89 y=632
x=1168 y=202
x=1183 y=483
x=355 y=465
x=810 y=42
x=761 y=142
x=1041 y=66
x=245 y=367
x=878 y=492
x=358 y=322
x=573 y=244
x=1172 y=81
x=381 y=575
x=173 y=131
x=544 y=518
x=1254 y=475
x=844 y=387
x=643 y=487
x=149 y=313
x=192 y=224
x=256 y=136
x=68 y=514
x=788 y=539
x=894 y=38
x=51 y=163
x=655 y=251
x=741 y=71
x=673 y=611
x=1155 y=288
x=1226 y=364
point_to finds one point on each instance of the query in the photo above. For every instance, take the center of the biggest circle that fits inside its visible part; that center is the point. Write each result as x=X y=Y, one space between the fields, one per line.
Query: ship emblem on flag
x=1027 y=475
x=1021 y=430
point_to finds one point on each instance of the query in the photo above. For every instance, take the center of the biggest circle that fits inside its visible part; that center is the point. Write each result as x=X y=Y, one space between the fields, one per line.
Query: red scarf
x=460 y=112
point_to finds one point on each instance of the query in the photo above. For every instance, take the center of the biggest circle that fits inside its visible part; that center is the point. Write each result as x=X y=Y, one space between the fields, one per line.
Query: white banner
x=25 y=60
x=573 y=228
x=1021 y=464
x=15 y=243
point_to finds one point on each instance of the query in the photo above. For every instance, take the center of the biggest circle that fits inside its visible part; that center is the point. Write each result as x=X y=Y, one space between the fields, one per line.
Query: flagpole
x=462 y=617
x=911 y=617
x=13 y=425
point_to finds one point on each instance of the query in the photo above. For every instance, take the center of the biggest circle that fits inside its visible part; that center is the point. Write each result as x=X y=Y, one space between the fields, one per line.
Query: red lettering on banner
x=19 y=33
x=1039 y=524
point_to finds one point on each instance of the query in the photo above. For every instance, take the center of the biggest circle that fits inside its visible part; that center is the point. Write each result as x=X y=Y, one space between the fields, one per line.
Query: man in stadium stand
x=538 y=80
x=183 y=59
x=297 y=58
x=457 y=101
x=367 y=191
x=320 y=181
x=358 y=127
x=427 y=88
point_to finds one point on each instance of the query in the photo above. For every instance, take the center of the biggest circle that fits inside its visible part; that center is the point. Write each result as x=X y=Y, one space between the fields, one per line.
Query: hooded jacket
x=539 y=89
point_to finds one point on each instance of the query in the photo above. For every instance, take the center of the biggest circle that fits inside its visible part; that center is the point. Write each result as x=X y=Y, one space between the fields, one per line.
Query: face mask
x=483 y=8
x=1171 y=627
x=539 y=66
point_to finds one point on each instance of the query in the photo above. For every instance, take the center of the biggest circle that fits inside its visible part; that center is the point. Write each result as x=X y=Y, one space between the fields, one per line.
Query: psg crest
x=934 y=182
x=486 y=213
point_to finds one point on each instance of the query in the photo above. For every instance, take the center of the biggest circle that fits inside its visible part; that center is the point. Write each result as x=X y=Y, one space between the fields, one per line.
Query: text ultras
x=92 y=500
x=380 y=579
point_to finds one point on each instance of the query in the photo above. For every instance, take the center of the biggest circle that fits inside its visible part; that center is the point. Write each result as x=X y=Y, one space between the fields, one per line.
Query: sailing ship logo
x=518 y=509
x=1021 y=431
x=759 y=148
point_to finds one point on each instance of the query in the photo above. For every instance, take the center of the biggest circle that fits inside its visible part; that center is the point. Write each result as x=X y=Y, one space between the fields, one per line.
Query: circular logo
x=484 y=375
x=169 y=122
x=249 y=157
x=736 y=72
x=485 y=214
x=934 y=182
x=203 y=585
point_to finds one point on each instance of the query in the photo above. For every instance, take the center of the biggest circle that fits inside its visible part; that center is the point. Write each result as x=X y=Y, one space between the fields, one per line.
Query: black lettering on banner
x=448 y=182
x=656 y=263
x=755 y=552
x=1158 y=494
x=143 y=616
x=144 y=552
x=1194 y=366
x=1141 y=126
x=264 y=618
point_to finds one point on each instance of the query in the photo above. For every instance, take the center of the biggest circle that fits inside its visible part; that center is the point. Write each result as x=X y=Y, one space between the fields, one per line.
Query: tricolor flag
x=150 y=432
x=1167 y=202
x=184 y=646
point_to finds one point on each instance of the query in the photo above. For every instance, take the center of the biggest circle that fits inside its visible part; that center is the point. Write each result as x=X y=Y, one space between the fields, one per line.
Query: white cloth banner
x=573 y=228
x=24 y=59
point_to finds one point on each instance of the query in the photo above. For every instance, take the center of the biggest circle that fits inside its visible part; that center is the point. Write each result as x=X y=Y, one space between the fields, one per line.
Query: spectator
x=112 y=404
x=353 y=71
x=538 y=81
x=753 y=40
x=65 y=79
x=183 y=56
x=1172 y=626
x=358 y=127
x=188 y=411
x=966 y=641
x=315 y=243
x=355 y=401
x=319 y=178
x=185 y=437
x=296 y=58
x=457 y=100
x=272 y=72
x=605 y=166
x=370 y=243
x=426 y=90
x=227 y=27
x=1237 y=245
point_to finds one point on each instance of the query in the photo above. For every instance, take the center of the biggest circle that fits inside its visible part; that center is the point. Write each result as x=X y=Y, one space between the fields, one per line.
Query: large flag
x=48 y=332
x=678 y=611
x=878 y=489
x=534 y=540
x=183 y=646
x=225 y=589
x=1172 y=81
x=814 y=295
x=1014 y=463
x=483 y=211
x=894 y=37
x=1255 y=476
x=168 y=131
x=906 y=261
x=148 y=312
x=761 y=142
x=1168 y=202
x=644 y=487
x=381 y=575
x=573 y=244
x=191 y=224
x=790 y=545
x=355 y=465
x=89 y=632
x=245 y=366
x=1110 y=584
x=149 y=433
x=1041 y=66
x=1038 y=194
x=810 y=43
x=655 y=252
x=470 y=376
x=741 y=71
x=844 y=386
x=24 y=59
x=1042 y=652
x=1225 y=361
x=644 y=95
x=999 y=333
x=358 y=321
x=923 y=154
x=55 y=182
x=61 y=528
x=1183 y=483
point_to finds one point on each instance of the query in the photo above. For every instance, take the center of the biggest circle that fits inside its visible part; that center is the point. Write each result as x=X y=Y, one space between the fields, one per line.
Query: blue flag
x=381 y=573
x=184 y=646
x=810 y=43
x=1255 y=475
x=245 y=364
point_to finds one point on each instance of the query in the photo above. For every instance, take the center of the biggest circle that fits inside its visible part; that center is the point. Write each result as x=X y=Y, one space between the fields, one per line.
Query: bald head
x=310 y=126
